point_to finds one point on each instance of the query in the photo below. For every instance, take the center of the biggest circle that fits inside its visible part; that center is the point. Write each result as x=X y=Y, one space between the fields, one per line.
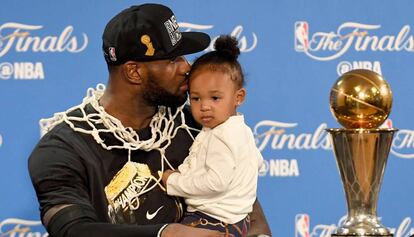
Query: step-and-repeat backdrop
x=292 y=53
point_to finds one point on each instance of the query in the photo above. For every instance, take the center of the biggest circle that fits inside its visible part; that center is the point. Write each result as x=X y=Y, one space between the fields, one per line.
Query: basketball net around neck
x=162 y=126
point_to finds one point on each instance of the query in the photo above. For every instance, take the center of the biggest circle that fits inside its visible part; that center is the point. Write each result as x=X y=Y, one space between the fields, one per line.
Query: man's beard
x=155 y=95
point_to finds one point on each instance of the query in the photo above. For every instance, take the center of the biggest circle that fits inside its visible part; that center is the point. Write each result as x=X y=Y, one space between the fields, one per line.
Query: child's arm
x=210 y=178
x=165 y=176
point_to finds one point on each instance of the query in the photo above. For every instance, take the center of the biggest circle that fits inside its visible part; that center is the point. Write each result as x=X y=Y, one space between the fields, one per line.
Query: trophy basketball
x=361 y=101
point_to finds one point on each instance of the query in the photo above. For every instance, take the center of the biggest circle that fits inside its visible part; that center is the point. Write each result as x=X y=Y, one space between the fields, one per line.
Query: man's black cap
x=148 y=32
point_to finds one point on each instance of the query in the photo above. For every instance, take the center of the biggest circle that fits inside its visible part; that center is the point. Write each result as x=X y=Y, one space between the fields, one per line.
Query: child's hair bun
x=227 y=46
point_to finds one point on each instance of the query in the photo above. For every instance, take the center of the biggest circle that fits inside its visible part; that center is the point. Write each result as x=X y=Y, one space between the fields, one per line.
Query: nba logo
x=387 y=124
x=112 y=54
x=301 y=36
x=302 y=225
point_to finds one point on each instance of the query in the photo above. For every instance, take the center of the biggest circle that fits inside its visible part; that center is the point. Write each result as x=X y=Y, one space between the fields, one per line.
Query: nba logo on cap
x=301 y=36
x=112 y=54
x=302 y=225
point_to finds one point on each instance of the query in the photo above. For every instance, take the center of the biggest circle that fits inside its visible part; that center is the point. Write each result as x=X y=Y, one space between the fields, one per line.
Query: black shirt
x=69 y=167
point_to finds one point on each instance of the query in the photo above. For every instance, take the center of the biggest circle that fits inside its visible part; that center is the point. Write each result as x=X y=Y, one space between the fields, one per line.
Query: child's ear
x=240 y=95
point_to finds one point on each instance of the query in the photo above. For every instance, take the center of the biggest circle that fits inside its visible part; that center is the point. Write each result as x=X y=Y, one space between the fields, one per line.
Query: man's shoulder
x=52 y=147
x=61 y=131
x=64 y=137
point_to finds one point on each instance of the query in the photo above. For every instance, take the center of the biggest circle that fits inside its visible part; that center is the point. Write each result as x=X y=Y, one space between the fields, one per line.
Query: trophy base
x=335 y=235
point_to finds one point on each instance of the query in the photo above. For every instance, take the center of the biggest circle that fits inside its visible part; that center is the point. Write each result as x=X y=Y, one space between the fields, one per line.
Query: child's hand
x=165 y=176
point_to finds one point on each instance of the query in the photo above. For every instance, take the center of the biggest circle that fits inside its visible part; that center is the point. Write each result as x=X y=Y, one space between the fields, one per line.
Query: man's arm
x=179 y=230
x=258 y=222
x=73 y=220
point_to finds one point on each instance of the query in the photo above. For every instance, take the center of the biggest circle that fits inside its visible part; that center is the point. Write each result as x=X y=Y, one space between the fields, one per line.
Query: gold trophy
x=361 y=101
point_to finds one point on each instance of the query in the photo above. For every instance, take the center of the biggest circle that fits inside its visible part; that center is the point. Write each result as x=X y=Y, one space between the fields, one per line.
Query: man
x=98 y=166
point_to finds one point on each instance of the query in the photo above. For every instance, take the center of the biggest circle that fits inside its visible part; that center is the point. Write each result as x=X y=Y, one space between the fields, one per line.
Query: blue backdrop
x=293 y=52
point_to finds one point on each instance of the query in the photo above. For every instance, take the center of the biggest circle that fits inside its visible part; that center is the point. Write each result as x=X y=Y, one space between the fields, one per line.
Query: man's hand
x=180 y=230
x=258 y=222
x=165 y=176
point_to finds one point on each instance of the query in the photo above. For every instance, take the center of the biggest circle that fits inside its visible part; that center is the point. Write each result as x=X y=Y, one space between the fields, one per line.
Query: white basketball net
x=162 y=128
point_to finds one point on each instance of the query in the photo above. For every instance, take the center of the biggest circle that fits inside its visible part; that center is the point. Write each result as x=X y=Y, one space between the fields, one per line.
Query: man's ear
x=132 y=72
x=240 y=95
